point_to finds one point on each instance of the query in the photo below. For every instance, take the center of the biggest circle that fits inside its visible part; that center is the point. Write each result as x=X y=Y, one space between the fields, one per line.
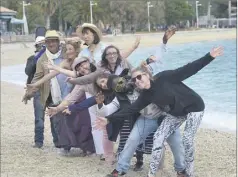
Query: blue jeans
x=39 y=119
x=39 y=112
x=142 y=128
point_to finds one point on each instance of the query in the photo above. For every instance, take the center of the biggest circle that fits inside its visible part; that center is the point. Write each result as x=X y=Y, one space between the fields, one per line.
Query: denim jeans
x=39 y=112
x=142 y=128
x=39 y=119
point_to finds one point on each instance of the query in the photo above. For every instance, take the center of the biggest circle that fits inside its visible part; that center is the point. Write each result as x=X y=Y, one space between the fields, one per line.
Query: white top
x=156 y=66
x=150 y=112
x=97 y=53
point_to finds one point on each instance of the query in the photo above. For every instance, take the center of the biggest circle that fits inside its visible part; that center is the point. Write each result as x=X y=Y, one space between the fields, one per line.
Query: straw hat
x=39 y=40
x=91 y=26
x=52 y=34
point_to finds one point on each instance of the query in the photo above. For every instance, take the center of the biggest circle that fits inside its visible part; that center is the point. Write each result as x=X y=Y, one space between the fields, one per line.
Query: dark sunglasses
x=138 y=77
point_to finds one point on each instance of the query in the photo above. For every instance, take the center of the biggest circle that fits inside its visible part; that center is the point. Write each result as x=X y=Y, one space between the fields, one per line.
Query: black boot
x=139 y=162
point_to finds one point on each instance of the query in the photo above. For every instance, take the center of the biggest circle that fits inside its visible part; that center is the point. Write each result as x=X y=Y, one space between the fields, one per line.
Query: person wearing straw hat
x=92 y=37
x=51 y=92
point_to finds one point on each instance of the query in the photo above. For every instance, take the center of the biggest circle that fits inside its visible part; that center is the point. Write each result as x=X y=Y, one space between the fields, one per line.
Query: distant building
x=8 y=20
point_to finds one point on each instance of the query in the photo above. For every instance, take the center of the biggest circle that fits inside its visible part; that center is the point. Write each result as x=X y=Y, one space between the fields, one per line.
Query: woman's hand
x=51 y=111
x=168 y=34
x=66 y=111
x=100 y=123
x=216 y=52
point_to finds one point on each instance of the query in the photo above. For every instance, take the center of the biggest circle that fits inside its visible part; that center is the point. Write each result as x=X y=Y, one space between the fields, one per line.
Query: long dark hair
x=104 y=62
x=108 y=94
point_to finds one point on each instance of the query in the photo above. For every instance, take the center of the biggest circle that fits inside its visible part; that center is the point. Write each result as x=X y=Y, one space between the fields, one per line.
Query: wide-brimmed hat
x=39 y=40
x=52 y=34
x=79 y=60
x=92 y=27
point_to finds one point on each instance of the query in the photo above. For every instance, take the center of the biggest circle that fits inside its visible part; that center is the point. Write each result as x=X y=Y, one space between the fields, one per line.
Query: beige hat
x=52 y=34
x=79 y=60
x=91 y=26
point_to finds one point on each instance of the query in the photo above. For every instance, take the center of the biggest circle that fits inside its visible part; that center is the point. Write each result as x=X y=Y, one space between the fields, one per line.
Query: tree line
x=60 y=14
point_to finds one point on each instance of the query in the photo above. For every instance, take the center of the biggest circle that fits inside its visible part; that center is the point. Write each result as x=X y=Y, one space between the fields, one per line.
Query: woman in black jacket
x=179 y=102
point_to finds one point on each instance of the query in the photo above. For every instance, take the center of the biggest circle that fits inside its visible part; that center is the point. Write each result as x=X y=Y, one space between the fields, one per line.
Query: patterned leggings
x=168 y=125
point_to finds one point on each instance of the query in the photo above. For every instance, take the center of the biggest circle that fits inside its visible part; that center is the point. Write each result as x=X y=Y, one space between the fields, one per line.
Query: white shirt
x=97 y=53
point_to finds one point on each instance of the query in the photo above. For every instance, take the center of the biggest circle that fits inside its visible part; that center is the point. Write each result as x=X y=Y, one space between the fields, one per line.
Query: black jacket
x=30 y=68
x=169 y=93
x=115 y=125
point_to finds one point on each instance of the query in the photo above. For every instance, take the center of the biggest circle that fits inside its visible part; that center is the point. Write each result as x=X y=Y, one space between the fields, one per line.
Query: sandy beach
x=215 y=150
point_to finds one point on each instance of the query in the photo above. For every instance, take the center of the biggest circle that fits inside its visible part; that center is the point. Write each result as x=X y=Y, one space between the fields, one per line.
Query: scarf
x=55 y=88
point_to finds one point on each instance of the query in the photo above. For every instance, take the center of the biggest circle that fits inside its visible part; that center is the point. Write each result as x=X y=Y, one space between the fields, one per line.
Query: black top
x=169 y=93
x=30 y=68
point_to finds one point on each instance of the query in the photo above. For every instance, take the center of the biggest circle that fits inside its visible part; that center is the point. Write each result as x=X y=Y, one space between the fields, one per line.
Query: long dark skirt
x=75 y=130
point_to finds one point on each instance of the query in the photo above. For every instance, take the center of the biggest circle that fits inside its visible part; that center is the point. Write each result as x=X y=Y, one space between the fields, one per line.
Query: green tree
x=176 y=11
x=48 y=8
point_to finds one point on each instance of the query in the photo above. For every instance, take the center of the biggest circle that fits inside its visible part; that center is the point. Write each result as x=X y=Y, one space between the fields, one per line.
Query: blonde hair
x=143 y=70
x=75 y=44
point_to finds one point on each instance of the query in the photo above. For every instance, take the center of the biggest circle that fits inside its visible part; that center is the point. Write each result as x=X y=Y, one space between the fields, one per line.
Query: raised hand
x=216 y=52
x=169 y=33
x=100 y=123
x=137 y=42
x=100 y=98
x=51 y=111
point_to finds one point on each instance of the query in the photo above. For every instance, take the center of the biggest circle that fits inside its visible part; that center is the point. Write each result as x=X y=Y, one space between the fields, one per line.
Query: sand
x=215 y=150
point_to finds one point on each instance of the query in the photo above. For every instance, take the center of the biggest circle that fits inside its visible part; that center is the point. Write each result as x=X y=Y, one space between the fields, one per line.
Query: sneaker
x=63 y=152
x=102 y=158
x=182 y=174
x=116 y=173
x=138 y=166
x=38 y=145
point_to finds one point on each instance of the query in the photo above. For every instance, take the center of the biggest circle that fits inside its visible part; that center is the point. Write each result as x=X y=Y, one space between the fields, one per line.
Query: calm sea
x=216 y=83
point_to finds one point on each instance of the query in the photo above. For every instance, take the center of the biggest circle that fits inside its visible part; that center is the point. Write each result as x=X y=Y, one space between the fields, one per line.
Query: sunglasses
x=138 y=77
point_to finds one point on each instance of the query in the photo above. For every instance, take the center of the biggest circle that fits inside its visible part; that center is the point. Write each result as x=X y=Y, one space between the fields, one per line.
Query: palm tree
x=49 y=7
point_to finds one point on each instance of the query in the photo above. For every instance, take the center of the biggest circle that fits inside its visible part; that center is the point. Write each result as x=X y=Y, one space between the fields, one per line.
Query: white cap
x=39 y=39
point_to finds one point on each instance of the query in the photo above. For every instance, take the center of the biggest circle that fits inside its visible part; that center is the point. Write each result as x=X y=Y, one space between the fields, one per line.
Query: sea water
x=216 y=83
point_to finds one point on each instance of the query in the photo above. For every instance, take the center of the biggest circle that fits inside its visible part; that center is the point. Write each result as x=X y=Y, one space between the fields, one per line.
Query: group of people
x=94 y=97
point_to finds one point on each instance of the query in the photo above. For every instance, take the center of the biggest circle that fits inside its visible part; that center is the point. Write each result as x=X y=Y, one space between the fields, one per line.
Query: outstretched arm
x=134 y=108
x=192 y=68
x=132 y=49
x=87 y=79
x=154 y=62
x=83 y=105
x=62 y=69
x=43 y=79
